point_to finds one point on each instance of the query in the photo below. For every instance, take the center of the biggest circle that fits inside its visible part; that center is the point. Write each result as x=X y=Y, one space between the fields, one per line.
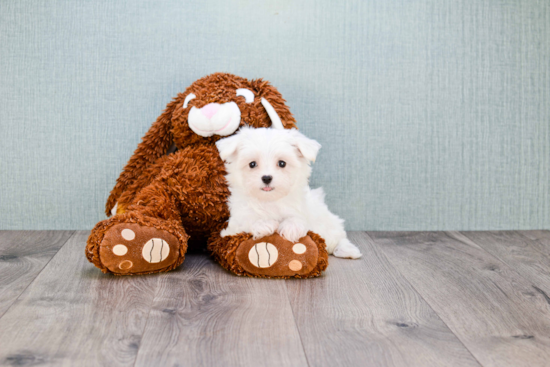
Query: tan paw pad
x=128 y=234
x=295 y=265
x=125 y=265
x=299 y=248
x=263 y=255
x=120 y=250
x=155 y=250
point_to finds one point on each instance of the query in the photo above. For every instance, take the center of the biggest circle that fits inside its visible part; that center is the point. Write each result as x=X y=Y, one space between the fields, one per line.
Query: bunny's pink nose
x=210 y=109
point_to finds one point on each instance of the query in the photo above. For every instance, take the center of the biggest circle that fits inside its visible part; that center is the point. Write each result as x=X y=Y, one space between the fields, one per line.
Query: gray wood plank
x=23 y=254
x=205 y=316
x=527 y=252
x=364 y=313
x=490 y=307
x=72 y=314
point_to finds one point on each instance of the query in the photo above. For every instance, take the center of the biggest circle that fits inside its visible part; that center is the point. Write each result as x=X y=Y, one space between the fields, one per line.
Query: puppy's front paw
x=346 y=249
x=229 y=231
x=264 y=227
x=293 y=229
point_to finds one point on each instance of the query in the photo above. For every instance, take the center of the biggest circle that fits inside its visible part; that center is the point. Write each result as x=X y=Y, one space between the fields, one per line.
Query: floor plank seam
x=522 y=234
x=146 y=323
x=491 y=286
x=504 y=261
x=422 y=297
x=295 y=323
x=40 y=272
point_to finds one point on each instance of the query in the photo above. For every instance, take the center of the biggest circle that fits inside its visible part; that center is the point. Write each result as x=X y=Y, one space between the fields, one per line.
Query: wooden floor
x=414 y=299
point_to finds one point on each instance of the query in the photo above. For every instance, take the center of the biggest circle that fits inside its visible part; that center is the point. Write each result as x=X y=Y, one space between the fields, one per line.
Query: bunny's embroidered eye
x=282 y=164
x=247 y=94
x=188 y=98
x=252 y=164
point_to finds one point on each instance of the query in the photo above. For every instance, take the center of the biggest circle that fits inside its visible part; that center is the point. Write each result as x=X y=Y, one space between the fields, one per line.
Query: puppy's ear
x=306 y=146
x=228 y=147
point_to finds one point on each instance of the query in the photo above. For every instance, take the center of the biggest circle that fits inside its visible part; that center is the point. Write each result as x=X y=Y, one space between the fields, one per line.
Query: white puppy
x=268 y=174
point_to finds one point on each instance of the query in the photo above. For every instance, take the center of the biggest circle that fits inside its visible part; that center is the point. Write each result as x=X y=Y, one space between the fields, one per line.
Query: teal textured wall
x=432 y=114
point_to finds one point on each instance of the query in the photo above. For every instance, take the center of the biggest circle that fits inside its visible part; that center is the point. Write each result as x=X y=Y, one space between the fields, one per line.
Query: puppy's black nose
x=267 y=179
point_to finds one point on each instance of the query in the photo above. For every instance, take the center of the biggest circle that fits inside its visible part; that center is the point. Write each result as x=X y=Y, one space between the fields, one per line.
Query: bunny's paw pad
x=274 y=256
x=130 y=248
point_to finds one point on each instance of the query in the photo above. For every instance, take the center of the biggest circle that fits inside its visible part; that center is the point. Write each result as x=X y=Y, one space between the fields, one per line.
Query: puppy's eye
x=252 y=164
x=282 y=164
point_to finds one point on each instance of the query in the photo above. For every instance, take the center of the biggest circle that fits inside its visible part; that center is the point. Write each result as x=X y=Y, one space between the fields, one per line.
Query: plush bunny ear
x=274 y=104
x=276 y=122
x=154 y=145
x=306 y=146
x=228 y=146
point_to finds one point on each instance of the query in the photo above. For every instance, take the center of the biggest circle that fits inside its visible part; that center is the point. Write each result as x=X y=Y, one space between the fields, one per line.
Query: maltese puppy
x=268 y=174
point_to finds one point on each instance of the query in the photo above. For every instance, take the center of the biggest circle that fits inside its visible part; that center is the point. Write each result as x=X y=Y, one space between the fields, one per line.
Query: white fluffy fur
x=286 y=205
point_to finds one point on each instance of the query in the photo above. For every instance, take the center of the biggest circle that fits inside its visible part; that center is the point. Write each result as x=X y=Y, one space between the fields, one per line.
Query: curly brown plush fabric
x=183 y=195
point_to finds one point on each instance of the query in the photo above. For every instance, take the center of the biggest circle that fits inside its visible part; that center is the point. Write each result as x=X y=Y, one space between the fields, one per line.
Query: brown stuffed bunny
x=161 y=200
